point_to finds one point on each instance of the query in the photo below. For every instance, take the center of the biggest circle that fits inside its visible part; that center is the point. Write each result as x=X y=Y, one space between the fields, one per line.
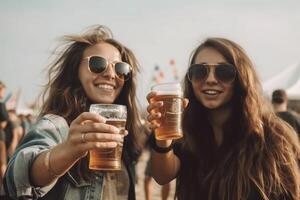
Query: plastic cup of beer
x=171 y=95
x=108 y=159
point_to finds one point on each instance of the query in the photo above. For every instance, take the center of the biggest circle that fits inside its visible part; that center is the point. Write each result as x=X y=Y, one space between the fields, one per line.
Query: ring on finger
x=83 y=138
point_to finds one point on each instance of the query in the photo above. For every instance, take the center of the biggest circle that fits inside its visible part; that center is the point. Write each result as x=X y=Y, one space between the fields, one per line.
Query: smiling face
x=212 y=93
x=104 y=87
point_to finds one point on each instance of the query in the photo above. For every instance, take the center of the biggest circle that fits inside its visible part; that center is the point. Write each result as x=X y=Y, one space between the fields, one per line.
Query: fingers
x=98 y=141
x=153 y=110
x=123 y=132
x=94 y=127
x=103 y=137
x=88 y=116
x=150 y=96
x=154 y=116
x=155 y=106
x=154 y=126
x=100 y=145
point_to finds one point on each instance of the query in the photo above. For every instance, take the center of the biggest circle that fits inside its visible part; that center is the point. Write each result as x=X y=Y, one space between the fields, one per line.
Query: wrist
x=49 y=166
x=159 y=149
x=58 y=160
x=70 y=153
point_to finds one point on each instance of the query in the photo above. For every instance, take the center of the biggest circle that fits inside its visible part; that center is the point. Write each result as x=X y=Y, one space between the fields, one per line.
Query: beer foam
x=177 y=93
x=168 y=89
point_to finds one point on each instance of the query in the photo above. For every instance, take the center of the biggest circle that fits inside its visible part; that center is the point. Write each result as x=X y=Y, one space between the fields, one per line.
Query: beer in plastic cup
x=171 y=112
x=108 y=158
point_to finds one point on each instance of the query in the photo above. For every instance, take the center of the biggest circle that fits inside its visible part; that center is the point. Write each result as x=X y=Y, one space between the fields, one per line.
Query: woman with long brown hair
x=234 y=147
x=51 y=162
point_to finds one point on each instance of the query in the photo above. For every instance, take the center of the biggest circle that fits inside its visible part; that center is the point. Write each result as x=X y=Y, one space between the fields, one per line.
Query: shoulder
x=53 y=125
x=287 y=115
x=55 y=119
x=291 y=119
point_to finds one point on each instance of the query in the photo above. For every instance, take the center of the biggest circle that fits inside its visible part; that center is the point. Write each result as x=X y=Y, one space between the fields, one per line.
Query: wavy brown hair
x=259 y=154
x=65 y=96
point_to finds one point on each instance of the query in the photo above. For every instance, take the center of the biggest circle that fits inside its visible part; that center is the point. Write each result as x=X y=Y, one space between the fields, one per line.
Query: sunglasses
x=223 y=72
x=98 y=64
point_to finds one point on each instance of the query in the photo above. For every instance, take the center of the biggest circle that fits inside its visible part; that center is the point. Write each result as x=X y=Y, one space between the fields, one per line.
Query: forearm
x=164 y=166
x=47 y=168
x=3 y=166
x=3 y=159
x=3 y=169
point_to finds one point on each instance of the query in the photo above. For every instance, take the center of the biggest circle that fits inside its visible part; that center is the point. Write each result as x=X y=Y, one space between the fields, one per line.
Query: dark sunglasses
x=98 y=64
x=223 y=72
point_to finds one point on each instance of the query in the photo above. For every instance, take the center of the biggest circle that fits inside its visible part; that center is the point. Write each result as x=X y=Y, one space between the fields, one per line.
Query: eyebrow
x=118 y=60
x=218 y=63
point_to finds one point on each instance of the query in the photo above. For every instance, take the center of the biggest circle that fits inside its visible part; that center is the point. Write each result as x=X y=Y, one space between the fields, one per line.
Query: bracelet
x=153 y=145
x=48 y=165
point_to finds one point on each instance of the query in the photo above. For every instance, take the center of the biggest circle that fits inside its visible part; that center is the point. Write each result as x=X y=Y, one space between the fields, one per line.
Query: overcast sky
x=156 y=30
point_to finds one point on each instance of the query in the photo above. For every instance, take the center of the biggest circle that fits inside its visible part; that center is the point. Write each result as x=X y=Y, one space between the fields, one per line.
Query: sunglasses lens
x=97 y=64
x=197 y=72
x=123 y=70
x=225 y=72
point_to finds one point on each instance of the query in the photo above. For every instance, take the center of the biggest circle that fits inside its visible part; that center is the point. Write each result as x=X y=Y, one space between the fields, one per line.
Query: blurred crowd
x=13 y=127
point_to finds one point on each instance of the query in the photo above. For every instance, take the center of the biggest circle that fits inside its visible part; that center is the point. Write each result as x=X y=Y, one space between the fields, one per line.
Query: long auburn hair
x=65 y=96
x=259 y=153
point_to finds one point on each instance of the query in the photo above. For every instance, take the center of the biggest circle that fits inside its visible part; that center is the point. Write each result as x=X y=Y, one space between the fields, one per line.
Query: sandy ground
x=140 y=194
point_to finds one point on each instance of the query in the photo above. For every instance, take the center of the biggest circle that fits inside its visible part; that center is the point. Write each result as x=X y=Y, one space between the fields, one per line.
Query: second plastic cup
x=171 y=112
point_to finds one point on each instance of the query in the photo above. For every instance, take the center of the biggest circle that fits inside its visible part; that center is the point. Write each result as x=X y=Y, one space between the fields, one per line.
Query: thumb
x=185 y=102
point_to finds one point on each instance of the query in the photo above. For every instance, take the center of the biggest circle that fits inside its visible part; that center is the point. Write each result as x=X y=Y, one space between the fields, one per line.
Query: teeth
x=210 y=92
x=105 y=86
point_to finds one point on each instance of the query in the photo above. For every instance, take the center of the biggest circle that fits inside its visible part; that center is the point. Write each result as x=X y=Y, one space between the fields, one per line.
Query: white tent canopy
x=288 y=79
x=15 y=101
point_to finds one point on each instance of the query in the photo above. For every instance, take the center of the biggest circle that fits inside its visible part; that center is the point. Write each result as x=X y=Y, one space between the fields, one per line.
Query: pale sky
x=156 y=31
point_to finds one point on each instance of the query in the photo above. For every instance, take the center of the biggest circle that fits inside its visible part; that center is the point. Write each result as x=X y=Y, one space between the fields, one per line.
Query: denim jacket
x=49 y=131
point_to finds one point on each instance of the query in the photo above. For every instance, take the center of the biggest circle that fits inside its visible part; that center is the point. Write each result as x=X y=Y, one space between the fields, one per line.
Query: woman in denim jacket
x=51 y=162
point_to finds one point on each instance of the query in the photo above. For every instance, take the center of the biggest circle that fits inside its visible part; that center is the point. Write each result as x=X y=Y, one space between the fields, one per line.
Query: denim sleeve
x=48 y=132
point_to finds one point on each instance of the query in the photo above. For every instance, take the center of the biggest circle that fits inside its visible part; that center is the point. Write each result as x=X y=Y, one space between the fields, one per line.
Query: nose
x=109 y=72
x=211 y=78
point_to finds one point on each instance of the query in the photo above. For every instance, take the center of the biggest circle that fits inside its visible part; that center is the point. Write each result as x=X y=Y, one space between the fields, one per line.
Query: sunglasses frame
x=208 y=66
x=107 y=65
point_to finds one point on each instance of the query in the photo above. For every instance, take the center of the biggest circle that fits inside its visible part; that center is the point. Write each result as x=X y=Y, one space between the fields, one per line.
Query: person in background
x=280 y=105
x=52 y=160
x=30 y=119
x=25 y=124
x=234 y=146
x=13 y=133
x=3 y=124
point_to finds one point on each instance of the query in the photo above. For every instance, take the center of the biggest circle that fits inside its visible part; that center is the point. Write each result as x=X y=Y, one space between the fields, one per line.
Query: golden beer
x=170 y=121
x=110 y=158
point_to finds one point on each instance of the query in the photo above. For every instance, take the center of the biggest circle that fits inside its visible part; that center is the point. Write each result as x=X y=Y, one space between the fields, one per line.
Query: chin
x=211 y=105
x=103 y=100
